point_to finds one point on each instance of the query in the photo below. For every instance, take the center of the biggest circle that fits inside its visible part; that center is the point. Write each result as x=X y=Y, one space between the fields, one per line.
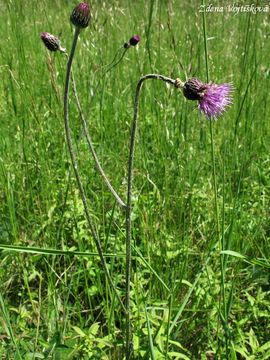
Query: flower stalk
x=91 y=145
x=177 y=83
x=75 y=166
x=120 y=53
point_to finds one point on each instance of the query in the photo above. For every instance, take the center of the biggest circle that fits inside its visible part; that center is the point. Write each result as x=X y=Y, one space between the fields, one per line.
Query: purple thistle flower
x=51 y=42
x=81 y=15
x=213 y=99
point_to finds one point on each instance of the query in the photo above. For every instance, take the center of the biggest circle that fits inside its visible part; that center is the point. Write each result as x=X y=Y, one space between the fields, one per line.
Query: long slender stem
x=76 y=171
x=113 y=63
x=211 y=128
x=85 y=128
x=91 y=146
x=220 y=239
x=176 y=83
x=104 y=73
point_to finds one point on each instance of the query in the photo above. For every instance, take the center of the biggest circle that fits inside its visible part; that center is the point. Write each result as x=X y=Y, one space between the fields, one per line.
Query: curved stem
x=109 y=68
x=114 y=62
x=76 y=171
x=92 y=149
x=177 y=83
x=91 y=145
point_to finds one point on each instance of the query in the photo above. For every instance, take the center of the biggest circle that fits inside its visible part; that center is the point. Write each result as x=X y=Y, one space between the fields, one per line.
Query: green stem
x=113 y=63
x=91 y=146
x=211 y=127
x=220 y=239
x=214 y=179
x=75 y=167
x=105 y=72
x=176 y=83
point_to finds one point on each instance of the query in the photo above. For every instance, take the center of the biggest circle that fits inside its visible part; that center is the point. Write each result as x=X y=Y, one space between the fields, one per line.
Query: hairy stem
x=177 y=83
x=76 y=171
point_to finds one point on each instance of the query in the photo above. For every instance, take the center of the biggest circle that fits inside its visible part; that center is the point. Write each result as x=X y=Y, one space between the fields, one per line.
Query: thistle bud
x=81 y=15
x=134 y=40
x=51 y=42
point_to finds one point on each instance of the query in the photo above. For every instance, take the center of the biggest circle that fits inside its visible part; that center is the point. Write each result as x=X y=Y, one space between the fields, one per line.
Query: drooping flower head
x=81 y=15
x=213 y=99
x=133 y=41
x=51 y=42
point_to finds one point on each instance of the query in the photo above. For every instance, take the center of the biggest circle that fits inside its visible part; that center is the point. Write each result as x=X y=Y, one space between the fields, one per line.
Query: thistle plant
x=212 y=100
x=177 y=83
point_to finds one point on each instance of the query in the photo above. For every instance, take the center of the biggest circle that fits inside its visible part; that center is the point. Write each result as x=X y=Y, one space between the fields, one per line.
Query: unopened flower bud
x=51 y=42
x=134 y=40
x=81 y=15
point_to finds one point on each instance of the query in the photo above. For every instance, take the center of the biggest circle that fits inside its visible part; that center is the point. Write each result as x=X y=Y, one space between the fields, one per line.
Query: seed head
x=213 y=99
x=81 y=15
x=51 y=42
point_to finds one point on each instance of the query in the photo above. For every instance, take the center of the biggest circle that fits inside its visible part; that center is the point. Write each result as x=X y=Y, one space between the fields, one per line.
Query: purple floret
x=213 y=99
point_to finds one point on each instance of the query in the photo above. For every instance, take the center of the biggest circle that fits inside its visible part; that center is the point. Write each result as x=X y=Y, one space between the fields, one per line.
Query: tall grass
x=189 y=298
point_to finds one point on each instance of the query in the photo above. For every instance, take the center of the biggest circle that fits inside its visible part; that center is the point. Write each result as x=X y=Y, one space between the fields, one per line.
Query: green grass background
x=189 y=300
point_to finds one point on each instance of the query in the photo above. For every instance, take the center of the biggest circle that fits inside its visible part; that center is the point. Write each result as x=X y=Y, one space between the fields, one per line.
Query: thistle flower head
x=133 y=41
x=81 y=15
x=213 y=99
x=51 y=42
